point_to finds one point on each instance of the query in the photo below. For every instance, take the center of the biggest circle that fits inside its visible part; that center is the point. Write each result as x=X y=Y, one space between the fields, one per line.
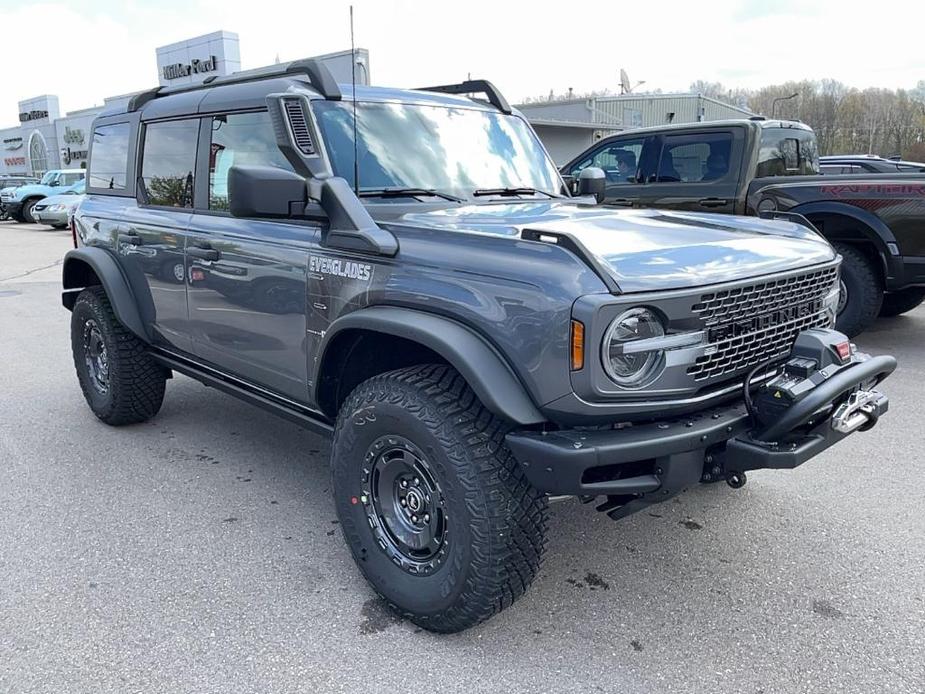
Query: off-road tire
x=903 y=301
x=26 y=212
x=865 y=291
x=496 y=520
x=136 y=382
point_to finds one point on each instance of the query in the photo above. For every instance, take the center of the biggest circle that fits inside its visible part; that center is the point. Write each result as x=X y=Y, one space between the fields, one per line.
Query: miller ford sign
x=194 y=67
x=32 y=115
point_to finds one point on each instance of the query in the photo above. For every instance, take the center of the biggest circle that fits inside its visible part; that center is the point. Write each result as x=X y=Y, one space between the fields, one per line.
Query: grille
x=766 y=310
x=735 y=304
x=299 y=125
x=754 y=348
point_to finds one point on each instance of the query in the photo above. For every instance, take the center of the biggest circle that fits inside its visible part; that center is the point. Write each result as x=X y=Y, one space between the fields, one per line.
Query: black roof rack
x=317 y=72
x=474 y=86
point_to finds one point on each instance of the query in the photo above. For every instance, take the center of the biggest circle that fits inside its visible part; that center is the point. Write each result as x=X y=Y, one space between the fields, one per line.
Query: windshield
x=453 y=150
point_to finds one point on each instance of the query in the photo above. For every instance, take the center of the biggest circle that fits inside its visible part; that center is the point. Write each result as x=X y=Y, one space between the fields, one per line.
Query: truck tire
x=860 y=281
x=437 y=513
x=120 y=381
x=897 y=303
x=26 y=213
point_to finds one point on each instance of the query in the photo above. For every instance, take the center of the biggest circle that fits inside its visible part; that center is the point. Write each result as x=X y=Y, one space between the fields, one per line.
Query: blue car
x=19 y=202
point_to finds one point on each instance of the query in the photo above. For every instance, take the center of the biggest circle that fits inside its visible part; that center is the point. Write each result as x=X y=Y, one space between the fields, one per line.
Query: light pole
x=781 y=98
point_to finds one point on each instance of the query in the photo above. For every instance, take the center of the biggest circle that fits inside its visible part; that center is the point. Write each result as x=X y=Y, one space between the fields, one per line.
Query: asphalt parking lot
x=199 y=553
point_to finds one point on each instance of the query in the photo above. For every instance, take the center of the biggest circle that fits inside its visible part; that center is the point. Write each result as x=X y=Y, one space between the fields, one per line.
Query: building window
x=38 y=153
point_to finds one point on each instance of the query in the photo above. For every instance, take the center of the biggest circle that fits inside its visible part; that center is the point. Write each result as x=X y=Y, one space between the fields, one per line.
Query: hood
x=647 y=250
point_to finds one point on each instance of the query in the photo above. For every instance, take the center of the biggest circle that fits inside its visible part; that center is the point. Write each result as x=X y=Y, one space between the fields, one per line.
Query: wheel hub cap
x=96 y=356
x=404 y=505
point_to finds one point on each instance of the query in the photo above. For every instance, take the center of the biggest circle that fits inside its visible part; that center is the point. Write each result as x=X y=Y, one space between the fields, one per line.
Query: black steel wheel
x=96 y=356
x=405 y=505
x=435 y=510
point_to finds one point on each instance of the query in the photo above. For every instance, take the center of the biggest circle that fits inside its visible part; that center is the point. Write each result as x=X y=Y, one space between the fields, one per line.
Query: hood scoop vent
x=570 y=243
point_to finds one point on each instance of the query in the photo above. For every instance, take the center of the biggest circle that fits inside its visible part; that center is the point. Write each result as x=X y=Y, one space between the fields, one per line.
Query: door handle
x=712 y=202
x=130 y=238
x=620 y=202
x=203 y=252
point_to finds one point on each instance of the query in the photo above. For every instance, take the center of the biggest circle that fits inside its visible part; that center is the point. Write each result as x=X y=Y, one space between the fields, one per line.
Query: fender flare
x=114 y=282
x=484 y=369
x=882 y=234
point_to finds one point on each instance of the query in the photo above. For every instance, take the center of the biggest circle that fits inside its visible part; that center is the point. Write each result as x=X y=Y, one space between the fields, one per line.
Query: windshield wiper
x=407 y=192
x=511 y=191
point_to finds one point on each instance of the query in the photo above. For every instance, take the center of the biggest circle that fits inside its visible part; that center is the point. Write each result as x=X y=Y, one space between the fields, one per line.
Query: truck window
x=619 y=160
x=168 y=162
x=109 y=156
x=240 y=138
x=694 y=157
x=787 y=152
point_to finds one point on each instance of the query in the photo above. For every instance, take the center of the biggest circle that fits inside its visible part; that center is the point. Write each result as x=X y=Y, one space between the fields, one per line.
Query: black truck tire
x=26 y=213
x=437 y=513
x=120 y=381
x=897 y=303
x=864 y=291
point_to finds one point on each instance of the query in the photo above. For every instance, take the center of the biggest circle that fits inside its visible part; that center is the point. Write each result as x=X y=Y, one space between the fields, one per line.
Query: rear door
x=696 y=170
x=151 y=235
x=620 y=159
x=247 y=278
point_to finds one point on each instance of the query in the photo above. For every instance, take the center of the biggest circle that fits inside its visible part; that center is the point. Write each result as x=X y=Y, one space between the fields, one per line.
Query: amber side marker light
x=578 y=345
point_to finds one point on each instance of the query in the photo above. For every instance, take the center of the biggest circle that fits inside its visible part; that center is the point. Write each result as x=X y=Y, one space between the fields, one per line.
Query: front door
x=247 y=279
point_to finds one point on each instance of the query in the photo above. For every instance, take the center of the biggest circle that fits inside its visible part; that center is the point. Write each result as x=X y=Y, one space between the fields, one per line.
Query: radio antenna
x=353 y=78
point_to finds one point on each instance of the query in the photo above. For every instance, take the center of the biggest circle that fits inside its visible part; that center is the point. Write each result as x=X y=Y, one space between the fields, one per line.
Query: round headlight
x=628 y=361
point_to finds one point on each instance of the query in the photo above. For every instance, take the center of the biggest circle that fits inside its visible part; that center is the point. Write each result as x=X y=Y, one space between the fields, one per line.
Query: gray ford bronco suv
x=405 y=271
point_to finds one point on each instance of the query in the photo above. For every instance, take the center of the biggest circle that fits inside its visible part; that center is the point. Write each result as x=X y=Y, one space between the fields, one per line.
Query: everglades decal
x=340 y=268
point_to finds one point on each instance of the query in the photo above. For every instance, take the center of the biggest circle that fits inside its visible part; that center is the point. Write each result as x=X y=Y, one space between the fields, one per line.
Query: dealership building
x=45 y=139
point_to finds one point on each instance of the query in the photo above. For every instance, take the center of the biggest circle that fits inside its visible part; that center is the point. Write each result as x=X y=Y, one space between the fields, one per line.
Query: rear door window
x=109 y=156
x=694 y=157
x=168 y=162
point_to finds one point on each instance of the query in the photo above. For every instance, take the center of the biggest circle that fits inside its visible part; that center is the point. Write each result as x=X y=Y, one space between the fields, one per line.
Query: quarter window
x=240 y=138
x=109 y=158
x=168 y=162
x=694 y=157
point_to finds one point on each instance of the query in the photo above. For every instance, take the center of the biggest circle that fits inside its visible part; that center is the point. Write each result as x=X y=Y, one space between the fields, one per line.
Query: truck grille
x=750 y=325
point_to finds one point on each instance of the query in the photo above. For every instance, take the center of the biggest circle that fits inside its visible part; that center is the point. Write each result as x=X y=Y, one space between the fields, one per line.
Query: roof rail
x=478 y=86
x=317 y=72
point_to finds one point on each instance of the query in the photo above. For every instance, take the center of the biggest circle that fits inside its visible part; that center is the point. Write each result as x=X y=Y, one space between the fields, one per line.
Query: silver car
x=56 y=210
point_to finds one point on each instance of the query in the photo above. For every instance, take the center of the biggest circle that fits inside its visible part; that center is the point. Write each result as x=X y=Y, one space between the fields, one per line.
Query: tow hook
x=859 y=411
x=736 y=480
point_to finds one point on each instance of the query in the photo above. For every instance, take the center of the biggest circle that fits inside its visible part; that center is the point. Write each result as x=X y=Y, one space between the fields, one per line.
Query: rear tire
x=120 y=381
x=437 y=513
x=903 y=301
x=864 y=291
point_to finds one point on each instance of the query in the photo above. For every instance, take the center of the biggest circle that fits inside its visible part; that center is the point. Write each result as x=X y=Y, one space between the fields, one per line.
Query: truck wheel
x=862 y=291
x=27 y=211
x=120 y=381
x=897 y=303
x=437 y=513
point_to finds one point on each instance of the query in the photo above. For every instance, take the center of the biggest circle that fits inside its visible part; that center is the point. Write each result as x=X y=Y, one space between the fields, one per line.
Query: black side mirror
x=591 y=181
x=265 y=191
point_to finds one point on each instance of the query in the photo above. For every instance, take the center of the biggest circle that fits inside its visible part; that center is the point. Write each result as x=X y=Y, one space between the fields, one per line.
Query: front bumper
x=635 y=466
x=12 y=207
x=48 y=217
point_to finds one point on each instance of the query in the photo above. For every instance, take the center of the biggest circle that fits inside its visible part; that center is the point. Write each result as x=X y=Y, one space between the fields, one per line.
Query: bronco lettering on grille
x=750 y=325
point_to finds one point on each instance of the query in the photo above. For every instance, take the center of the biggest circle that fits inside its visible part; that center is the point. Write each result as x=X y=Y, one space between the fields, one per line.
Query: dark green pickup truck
x=768 y=167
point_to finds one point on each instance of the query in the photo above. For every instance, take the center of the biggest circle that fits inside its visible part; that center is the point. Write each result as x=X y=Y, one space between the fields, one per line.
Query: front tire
x=437 y=514
x=27 y=211
x=903 y=301
x=120 y=381
x=864 y=291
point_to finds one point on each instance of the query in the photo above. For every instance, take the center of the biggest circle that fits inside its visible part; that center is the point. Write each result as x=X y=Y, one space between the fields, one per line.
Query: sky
x=86 y=50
